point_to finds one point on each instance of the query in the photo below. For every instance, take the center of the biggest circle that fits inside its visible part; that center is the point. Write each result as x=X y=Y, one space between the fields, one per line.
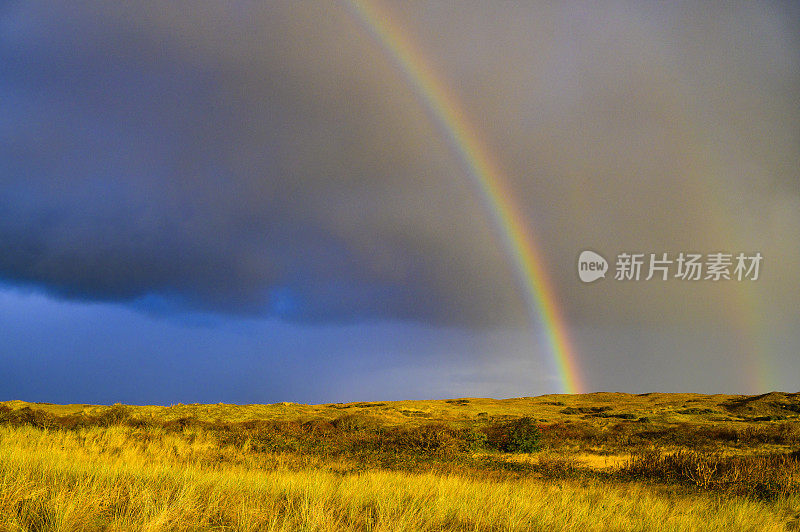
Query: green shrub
x=357 y=422
x=115 y=414
x=430 y=438
x=520 y=435
x=525 y=436
x=473 y=439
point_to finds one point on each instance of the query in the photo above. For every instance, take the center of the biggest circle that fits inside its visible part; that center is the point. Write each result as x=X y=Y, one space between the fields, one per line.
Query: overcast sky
x=249 y=202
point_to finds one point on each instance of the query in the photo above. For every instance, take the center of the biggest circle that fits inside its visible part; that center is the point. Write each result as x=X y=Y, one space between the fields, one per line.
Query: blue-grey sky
x=249 y=202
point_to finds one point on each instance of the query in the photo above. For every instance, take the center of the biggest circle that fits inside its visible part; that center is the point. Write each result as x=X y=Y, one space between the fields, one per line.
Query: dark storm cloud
x=242 y=158
x=250 y=157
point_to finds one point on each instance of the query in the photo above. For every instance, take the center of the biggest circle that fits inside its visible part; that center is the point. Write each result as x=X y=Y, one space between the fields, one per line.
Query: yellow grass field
x=695 y=463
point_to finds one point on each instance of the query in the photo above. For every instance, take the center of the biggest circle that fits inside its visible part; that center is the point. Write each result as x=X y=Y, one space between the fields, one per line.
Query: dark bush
x=430 y=438
x=585 y=410
x=187 y=421
x=697 y=411
x=28 y=416
x=473 y=439
x=762 y=476
x=318 y=427
x=525 y=436
x=5 y=414
x=140 y=423
x=520 y=435
x=624 y=415
x=357 y=422
x=113 y=415
x=73 y=422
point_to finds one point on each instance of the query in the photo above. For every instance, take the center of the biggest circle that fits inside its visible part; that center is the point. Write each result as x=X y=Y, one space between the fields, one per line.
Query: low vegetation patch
x=763 y=476
x=385 y=466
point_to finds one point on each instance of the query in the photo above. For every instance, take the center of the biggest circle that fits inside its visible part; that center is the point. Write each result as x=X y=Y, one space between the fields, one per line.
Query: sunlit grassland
x=50 y=480
x=327 y=468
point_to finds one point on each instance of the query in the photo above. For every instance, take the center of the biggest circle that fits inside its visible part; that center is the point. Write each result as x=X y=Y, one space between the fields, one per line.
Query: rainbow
x=486 y=174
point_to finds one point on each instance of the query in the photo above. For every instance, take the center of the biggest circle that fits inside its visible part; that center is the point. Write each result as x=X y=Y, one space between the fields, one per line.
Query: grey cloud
x=223 y=153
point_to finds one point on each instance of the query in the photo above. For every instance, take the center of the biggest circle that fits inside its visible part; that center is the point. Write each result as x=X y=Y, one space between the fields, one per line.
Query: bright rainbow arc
x=487 y=176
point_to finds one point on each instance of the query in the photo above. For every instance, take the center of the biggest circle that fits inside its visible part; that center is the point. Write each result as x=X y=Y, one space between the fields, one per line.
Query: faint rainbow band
x=486 y=174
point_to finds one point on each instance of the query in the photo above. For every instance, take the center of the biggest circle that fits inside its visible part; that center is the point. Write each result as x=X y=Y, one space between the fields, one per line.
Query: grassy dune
x=695 y=463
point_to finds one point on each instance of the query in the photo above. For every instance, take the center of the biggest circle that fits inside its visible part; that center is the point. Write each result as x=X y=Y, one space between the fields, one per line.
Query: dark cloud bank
x=269 y=159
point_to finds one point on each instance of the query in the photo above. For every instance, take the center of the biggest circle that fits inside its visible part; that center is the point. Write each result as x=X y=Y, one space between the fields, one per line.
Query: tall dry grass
x=123 y=478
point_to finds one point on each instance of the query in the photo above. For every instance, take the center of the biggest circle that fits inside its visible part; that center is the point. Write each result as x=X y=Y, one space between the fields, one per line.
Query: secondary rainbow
x=488 y=177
